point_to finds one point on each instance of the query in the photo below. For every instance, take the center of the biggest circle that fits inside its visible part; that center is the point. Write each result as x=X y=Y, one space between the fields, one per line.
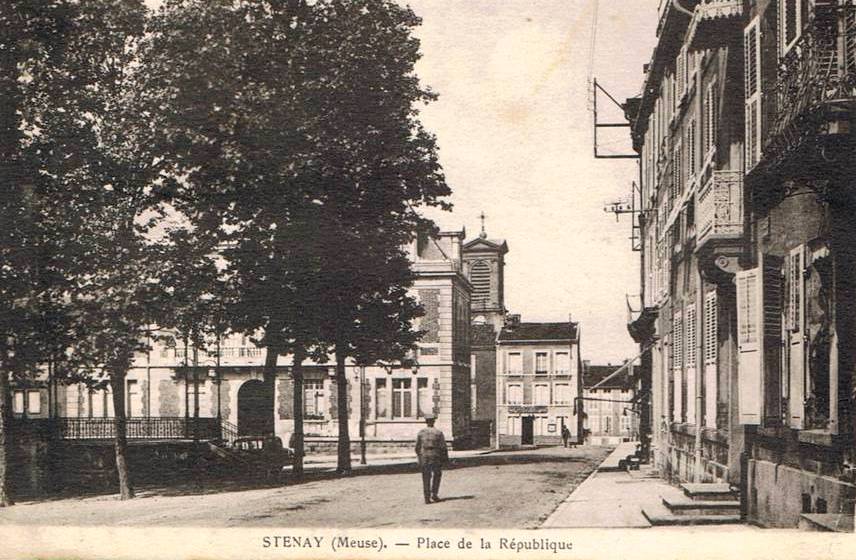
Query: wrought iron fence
x=137 y=428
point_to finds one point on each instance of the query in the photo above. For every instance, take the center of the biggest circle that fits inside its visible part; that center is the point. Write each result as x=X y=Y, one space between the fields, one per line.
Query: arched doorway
x=255 y=409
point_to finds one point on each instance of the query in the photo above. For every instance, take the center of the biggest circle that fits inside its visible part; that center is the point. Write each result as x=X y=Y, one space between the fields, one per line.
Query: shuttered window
x=752 y=84
x=709 y=110
x=749 y=376
x=690 y=347
x=480 y=278
x=690 y=360
x=710 y=336
x=795 y=351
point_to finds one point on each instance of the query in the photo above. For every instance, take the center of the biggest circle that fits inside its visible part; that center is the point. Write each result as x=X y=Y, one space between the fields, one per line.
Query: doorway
x=527 y=430
x=255 y=409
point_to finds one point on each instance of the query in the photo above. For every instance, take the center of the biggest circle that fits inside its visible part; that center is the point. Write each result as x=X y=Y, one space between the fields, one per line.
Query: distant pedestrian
x=566 y=435
x=433 y=455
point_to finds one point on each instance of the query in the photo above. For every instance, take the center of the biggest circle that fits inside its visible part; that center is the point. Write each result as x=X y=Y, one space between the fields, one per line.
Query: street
x=500 y=490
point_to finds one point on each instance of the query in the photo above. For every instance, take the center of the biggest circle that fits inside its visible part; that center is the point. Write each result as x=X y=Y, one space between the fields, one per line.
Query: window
x=34 y=402
x=752 y=84
x=515 y=363
x=313 y=396
x=607 y=424
x=381 y=398
x=625 y=423
x=563 y=363
x=542 y=394
x=562 y=393
x=402 y=405
x=134 y=399
x=514 y=393
x=480 y=278
x=793 y=17
x=541 y=363
x=18 y=402
x=710 y=351
x=424 y=402
x=710 y=108
x=98 y=403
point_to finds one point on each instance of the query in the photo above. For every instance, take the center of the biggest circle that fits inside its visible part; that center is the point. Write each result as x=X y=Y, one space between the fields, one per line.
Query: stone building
x=221 y=384
x=610 y=416
x=744 y=133
x=538 y=381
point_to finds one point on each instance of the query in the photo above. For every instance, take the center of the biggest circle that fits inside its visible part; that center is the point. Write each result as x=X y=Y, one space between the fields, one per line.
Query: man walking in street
x=566 y=435
x=433 y=454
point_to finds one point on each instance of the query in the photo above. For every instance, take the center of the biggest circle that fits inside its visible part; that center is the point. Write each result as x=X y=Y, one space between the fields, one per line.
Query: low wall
x=678 y=460
x=778 y=494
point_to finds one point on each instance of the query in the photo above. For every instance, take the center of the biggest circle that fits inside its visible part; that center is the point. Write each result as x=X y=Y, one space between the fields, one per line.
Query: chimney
x=514 y=320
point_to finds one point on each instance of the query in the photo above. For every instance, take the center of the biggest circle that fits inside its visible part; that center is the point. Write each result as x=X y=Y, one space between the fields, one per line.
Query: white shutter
x=710 y=350
x=796 y=354
x=690 y=359
x=749 y=346
x=752 y=83
x=677 y=364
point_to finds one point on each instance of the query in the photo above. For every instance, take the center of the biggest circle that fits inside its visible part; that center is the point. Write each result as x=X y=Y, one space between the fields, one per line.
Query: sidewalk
x=615 y=499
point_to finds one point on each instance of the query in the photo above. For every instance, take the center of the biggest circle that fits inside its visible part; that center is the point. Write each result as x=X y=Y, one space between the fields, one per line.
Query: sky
x=513 y=125
x=514 y=129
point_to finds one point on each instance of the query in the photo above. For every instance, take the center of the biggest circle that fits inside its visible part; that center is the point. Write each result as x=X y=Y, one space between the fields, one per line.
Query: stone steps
x=827 y=522
x=665 y=520
x=700 y=504
x=699 y=507
x=709 y=491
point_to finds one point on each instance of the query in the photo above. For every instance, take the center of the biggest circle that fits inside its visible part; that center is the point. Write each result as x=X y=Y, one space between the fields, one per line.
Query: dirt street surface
x=502 y=490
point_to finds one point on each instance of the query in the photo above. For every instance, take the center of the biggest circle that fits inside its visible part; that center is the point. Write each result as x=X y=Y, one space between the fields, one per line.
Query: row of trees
x=216 y=165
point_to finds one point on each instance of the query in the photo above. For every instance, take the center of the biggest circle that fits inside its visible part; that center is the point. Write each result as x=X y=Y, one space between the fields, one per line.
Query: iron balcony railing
x=719 y=207
x=818 y=70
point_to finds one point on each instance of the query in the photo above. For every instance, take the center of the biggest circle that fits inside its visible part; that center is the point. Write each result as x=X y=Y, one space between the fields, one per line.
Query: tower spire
x=482 y=217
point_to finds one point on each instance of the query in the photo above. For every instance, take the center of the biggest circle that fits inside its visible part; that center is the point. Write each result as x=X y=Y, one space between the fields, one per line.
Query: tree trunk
x=117 y=384
x=297 y=374
x=269 y=378
x=5 y=440
x=344 y=461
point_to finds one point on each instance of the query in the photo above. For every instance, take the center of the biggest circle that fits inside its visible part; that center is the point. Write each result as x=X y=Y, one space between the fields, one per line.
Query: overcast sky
x=514 y=129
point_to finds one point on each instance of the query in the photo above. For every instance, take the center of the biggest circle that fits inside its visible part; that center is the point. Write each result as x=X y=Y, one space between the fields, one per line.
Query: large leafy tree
x=89 y=150
x=378 y=165
x=293 y=134
x=32 y=317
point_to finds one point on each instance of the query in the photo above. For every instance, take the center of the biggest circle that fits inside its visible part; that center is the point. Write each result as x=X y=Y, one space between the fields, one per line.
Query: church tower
x=484 y=266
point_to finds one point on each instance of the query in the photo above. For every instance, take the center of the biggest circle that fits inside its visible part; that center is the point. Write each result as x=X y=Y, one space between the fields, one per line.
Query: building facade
x=223 y=381
x=610 y=415
x=744 y=132
x=538 y=381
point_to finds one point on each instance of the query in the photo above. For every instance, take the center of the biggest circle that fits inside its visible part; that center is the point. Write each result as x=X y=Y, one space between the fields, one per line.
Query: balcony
x=719 y=208
x=816 y=86
x=714 y=22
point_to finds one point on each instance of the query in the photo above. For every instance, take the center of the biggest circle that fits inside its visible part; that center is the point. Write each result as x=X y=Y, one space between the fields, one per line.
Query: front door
x=527 y=431
x=255 y=406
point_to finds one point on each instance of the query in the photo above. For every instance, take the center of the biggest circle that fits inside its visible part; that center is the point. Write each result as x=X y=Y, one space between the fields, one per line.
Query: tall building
x=538 y=381
x=484 y=263
x=745 y=133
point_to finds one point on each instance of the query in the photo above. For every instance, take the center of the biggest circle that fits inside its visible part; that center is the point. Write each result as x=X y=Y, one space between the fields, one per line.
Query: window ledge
x=821 y=438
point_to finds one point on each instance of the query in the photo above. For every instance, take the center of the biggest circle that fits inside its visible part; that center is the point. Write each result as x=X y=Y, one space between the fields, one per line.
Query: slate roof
x=482 y=335
x=533 y=332
x=592 y=375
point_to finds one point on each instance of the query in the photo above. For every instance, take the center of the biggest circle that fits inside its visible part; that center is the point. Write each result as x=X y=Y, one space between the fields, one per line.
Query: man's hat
x=430 y=416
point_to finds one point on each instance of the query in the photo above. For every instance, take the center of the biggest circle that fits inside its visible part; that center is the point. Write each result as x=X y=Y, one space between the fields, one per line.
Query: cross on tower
x=482 y=218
